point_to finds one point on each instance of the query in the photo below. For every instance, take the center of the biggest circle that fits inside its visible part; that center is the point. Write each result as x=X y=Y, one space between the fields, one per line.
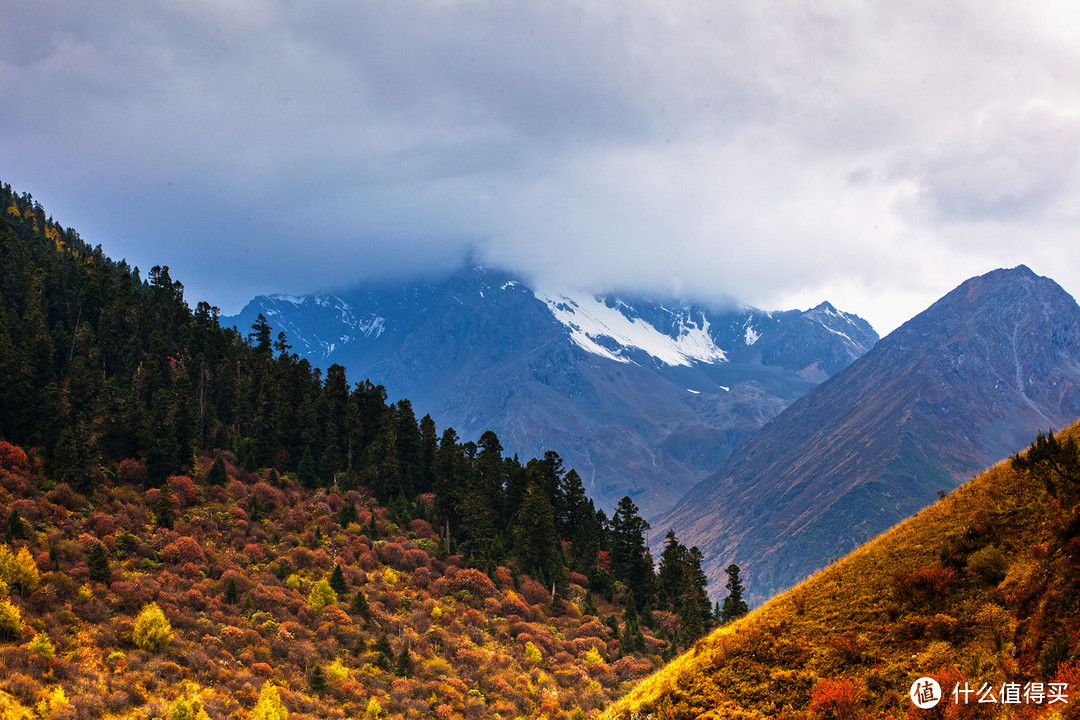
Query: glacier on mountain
x=591 y=321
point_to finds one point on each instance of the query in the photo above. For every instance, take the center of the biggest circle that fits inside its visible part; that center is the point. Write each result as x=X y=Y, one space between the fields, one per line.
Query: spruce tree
x=630 y=556
x=386 y=653
x=631 y=640
x=217 y=475
x=232 y=593
x=337 y=580
x=98 y=564
x=360 y=606
x=403 y=666
x=165 y=513
x=734 y=606
x=317 y=680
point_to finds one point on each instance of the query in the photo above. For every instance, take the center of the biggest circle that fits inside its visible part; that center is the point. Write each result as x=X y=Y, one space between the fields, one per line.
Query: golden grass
x=873 y=616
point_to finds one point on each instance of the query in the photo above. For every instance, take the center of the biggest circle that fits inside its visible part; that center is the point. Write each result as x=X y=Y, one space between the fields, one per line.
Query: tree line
x=101 y=365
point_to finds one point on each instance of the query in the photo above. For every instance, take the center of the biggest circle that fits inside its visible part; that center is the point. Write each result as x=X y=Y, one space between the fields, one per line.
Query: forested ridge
x=112 y=383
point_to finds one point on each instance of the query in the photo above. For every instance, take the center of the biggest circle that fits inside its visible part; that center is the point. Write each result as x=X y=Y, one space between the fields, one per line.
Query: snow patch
x=725 y=388
x=373 y=328
x=590 y=319
x=294 y=299
x=508 y=284
x=751 y=335
x=696 y=392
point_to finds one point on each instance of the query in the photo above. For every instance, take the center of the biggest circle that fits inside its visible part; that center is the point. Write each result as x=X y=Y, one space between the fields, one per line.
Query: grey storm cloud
x=874 y=154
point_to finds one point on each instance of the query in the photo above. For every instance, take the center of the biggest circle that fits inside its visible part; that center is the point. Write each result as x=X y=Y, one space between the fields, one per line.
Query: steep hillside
x=955 y=389
x=340 y=605
x=189 y=516
x=643 y=397
x=980 y=588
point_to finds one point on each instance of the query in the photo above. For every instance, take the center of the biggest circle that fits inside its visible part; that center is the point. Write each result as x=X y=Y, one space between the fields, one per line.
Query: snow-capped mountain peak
x=614 y=330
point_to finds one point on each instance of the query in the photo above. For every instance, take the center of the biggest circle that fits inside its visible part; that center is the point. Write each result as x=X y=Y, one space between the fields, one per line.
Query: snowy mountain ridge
x=644 y=396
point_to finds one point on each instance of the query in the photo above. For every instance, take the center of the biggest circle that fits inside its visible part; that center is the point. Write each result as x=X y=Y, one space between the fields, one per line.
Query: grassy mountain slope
x=979 y=587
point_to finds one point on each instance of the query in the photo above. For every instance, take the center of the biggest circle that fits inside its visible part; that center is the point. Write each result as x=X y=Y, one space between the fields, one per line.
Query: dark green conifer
x=232 y=594
x=631 y=640
x=734 y=606
x=360 y=605
x=386 y=654
x=403 y=667
x=98 y=564
x=317 y=680
x=337 y=580
x=165 y=513
x=308 y=471
x=217 y=475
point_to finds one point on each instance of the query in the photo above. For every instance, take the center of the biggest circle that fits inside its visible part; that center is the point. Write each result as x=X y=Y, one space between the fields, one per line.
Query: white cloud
x=872 y=153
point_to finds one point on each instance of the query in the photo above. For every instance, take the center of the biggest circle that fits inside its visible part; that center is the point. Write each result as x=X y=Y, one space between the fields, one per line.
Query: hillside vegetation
x=107 y=613
x=197 y=524
x=981 y=587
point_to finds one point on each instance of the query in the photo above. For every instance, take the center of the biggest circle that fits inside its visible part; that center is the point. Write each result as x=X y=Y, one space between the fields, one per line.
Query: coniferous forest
x=197 y=521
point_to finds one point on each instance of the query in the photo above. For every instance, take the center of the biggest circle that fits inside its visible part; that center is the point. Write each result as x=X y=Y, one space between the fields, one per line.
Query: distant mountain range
x=960 y=386
x=643 y=396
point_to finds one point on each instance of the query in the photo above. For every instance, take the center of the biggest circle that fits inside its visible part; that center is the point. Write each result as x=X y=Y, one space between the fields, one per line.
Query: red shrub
x=183 y=550
x=577 y=578
x=13 y=458
x=502 y=578
x=474 y=581
x=101 y=523
x=132 y=472
x=392 y=554
x=837 y=699
x=183 y=488
x=416 y=559
x=534 y=593
x=926 y=583
x=269 y=497
x=421 y=528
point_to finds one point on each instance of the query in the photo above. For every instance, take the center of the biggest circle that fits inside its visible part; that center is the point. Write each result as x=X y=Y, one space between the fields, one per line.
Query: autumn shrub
x=392 y=554
x=151 y=631
x=534 y=593
x=988 y=564
x=473 y=581
x=837 y=699
x=132 y=472
x=13 y=458
x=923 y=584
x=850 y=647
x=18 y=570
x=10 y=620
x=63 y=495
x=21 y=686
x=321 y=595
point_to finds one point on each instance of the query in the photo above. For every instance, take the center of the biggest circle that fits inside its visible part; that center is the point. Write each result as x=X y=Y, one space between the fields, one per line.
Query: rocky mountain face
x=957 y=388
x=643 y=397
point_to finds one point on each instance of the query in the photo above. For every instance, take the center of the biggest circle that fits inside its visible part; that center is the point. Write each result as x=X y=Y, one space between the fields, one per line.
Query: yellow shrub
x=152 y=629
x=321 y=595
x=592 y=656
x=336 y=673
x=269 y=705
x=51 y=701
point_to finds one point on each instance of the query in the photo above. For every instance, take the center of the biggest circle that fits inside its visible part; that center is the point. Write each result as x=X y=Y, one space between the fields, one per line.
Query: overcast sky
x=874 y=154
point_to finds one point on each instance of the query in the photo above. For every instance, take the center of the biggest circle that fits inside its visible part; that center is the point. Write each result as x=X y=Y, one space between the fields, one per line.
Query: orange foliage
x=837 y=699
x=12 y=458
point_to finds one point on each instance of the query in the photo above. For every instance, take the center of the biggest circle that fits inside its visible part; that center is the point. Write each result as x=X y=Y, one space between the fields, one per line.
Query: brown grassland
x=981 y=587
